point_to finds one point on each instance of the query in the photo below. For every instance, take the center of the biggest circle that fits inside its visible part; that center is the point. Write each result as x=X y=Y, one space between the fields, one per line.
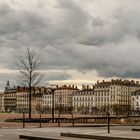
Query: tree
x=30 y=76
x=39 y=108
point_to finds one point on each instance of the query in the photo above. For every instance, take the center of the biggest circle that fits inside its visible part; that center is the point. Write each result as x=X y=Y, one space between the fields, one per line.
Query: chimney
x=18 y=88
x=83 y=87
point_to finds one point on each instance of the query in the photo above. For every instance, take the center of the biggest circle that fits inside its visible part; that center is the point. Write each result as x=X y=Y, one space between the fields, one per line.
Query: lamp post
x=52 y=105
x=60 y=108
x=72 y=118
x=23 y=118
x=59 y=119
x=40 y=119
x=108 y=118
x=52 y=90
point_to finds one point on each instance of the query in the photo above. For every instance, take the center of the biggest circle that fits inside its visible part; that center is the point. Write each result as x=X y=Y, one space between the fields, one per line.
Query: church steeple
x=8 y=84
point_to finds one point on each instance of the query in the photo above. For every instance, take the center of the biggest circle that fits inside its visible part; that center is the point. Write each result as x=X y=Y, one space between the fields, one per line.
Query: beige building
x=16 y=99
x=135 y=102
x=10 y=98
x=63 y=97
x=22 y=100
x=114 y=95
x=47 y=102
x=2 y=102
x=84 y=100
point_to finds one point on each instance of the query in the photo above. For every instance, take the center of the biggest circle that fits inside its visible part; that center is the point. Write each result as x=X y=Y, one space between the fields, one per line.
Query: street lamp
x=52 y=92
x=108 y=118
x=59 y=107
x=72 y=118
x=40 y=119
x=23 y=118
x=52 y=89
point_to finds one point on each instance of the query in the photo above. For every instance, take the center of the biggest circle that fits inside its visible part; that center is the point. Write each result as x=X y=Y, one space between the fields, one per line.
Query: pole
x=72 y=119
x=23 y=119
x=52 y=105
x=108 y=121
x=40 y=119
x=59 y=120
x=30 y=100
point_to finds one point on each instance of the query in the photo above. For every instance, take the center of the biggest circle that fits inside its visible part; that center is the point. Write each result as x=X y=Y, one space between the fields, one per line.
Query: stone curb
x=35 y=137
x=135 y=129
x=95 y=137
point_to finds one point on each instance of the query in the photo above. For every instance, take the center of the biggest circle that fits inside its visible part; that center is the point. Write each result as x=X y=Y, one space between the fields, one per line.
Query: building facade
x=47 y=102
x=135 y=102
x=63 y=98
x=114 y=96
x=2 y=102
x=22 y=100
x=10 y=98
x=84 y=100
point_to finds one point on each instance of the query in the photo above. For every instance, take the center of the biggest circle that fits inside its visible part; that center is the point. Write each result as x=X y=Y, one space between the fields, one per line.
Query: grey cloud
x=124 y=22
x=97 y=22
x=22 y=28
x=4 y=78
x=57 y=76
x=73 y=39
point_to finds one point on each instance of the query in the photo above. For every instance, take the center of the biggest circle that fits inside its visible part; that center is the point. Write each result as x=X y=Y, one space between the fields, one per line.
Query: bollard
x=23 y=119
x=59 y=120
x=108 y=121
x=72 y=120
x=40 y=120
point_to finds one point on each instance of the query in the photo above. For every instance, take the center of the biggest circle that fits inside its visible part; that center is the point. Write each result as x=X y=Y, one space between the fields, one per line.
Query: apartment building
x=37 y=106
x=10 y=98
x=135 y=102
x=114 y=95
x=84 y=100
x=2 y=102
x=63 y=97
x=22 y=99
x=16 y=99
x=47 y=102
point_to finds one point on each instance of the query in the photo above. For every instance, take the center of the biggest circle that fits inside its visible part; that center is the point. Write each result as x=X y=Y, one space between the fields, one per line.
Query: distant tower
x=7 y=85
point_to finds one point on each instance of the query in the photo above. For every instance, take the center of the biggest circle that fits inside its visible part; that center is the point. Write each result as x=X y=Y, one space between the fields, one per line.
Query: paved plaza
x=54 y=132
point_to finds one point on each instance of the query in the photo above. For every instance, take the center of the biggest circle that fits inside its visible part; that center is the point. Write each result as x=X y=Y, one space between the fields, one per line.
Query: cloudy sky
x=80 y=41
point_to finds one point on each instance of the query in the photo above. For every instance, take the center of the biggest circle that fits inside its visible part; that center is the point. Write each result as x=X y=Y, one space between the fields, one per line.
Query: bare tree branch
x=30 y=76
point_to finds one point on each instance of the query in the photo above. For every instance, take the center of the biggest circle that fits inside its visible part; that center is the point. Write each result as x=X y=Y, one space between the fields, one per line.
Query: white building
x=135 y=102
x=84 y=100
x=63 y=97
x=47 y=102
x=114 y=95
x=2 y=102
x=22 y=100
